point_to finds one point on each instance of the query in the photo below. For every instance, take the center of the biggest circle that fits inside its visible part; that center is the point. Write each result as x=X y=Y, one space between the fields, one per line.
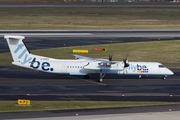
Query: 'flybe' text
x=138 y=68
x=34 y=64
x=23 y=53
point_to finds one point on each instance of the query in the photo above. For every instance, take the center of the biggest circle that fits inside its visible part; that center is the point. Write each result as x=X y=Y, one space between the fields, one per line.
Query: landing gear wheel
x=100 y=80
x=139 y=76
x=164 y=78
x=86 y=76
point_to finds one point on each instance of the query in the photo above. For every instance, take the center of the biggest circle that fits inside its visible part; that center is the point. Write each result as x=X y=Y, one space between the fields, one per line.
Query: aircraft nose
x=170 y=72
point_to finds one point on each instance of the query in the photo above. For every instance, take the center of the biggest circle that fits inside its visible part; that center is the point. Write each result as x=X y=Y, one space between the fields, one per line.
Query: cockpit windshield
x=161 y=66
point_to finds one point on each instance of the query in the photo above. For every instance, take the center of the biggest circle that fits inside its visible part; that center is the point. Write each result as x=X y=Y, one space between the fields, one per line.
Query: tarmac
x=168 y=112
x=131 y=116
x=16 y=83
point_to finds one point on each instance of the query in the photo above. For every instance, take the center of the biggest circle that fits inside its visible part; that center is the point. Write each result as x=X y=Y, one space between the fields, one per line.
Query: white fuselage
x=85 y=67
x=82 y=65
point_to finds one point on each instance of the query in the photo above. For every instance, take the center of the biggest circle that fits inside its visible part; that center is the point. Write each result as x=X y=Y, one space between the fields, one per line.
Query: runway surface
x=94 y=33
x=124 y=113
x=52 y=42
x=16 y=83
x=39 y=39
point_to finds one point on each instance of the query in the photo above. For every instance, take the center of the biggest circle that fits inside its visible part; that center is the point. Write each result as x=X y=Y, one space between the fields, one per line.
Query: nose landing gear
x=164 y=77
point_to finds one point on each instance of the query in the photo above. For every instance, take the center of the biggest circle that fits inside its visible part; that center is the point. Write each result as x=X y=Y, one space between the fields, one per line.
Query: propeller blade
x=110 y=57
x=126 y=64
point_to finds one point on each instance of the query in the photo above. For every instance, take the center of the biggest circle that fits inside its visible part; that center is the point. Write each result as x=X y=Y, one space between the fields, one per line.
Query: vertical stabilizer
x=18 y=49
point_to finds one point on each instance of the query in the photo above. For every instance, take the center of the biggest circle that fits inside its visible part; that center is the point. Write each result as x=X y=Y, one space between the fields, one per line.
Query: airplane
x=81 y=65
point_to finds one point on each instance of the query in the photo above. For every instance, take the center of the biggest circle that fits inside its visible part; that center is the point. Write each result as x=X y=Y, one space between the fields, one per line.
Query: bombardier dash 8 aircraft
x=81 y=65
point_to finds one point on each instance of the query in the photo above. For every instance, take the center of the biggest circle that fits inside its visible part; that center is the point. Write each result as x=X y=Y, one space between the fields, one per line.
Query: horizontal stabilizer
x=14 y=37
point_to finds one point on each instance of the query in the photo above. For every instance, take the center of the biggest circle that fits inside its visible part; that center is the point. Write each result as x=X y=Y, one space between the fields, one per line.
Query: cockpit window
x=161 y=66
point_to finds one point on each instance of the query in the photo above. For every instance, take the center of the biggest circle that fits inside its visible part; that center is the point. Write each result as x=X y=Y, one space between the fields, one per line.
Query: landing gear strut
x=164 y=77
x=101 y=76
x=86 y=76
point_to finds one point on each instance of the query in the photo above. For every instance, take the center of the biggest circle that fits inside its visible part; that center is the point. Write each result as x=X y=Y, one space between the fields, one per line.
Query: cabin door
x=63 y=68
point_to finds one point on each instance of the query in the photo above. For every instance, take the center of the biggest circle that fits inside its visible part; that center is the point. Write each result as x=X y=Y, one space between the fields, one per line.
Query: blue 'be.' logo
x=142 y=68
x=45 y=65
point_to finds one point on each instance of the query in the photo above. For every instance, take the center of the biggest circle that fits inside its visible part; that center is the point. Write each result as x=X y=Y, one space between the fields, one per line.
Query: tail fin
x=18 y=49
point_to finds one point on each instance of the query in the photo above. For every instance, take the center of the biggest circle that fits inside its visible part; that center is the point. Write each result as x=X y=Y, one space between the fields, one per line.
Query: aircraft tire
x=100 y=80
x=164 y=78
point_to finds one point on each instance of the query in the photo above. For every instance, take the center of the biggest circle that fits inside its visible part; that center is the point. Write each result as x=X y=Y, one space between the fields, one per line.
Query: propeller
x=110 y=57
x=126 y=64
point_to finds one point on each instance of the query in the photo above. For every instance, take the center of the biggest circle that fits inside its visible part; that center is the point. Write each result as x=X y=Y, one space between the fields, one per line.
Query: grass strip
x=9 y=106
x=155 y=51
x=89 y=18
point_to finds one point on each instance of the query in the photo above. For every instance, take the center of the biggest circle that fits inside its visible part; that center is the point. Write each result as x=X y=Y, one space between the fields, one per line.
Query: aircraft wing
x=86 y=58
x=100 y=61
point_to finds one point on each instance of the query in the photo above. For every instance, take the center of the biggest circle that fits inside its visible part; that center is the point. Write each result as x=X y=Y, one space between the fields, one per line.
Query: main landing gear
x=101 y=76
x=100 y=79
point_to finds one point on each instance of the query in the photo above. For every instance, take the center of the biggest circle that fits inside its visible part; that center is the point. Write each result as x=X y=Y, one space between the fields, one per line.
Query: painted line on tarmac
x=47 y=34
x=91 y=81
x=138 y=79
x=36 y=80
